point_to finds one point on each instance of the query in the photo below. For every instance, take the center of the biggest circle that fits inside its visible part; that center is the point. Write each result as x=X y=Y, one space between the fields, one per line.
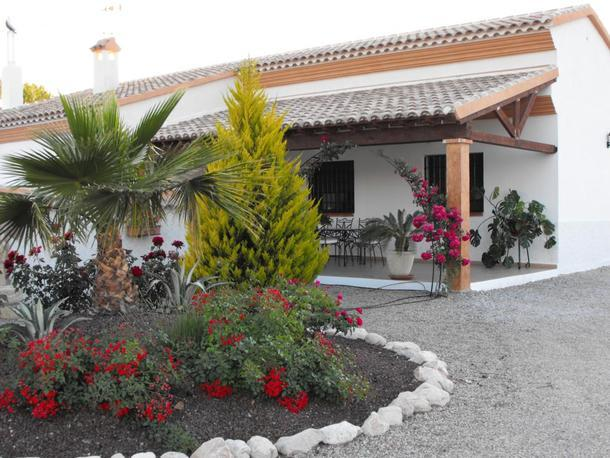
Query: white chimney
x=12 y=80
x=105 y=65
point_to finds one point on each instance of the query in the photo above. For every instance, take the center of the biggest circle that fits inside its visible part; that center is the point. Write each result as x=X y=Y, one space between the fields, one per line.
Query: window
x=333 y=185
x=436 y=173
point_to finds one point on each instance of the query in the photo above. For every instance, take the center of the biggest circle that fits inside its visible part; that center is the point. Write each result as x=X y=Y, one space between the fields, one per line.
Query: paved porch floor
x=422 y=273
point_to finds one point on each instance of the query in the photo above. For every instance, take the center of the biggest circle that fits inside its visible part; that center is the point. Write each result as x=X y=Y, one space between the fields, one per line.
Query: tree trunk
x=114 y=288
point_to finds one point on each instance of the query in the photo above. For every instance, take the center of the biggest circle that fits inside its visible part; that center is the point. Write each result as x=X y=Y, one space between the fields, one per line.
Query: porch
x=374 y=274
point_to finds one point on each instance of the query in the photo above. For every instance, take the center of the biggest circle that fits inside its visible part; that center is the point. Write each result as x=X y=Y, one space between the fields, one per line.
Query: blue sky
x=164 y=36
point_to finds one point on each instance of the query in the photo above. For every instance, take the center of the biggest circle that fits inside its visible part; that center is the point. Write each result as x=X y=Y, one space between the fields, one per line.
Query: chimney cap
x=106 y=44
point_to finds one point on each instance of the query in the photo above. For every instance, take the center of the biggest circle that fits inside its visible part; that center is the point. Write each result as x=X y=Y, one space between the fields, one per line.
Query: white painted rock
x=434 y=395
x=144 y=455
x=407 y=352
x=434 y=377
x=401 y=346
x=238 y=448
x=424 y=357
x=439 y=365
x=391 y=414
x=356 y=333
x=330 y=331
x=375 y=339
x=174 y=455
x=340 y=433
x=120 y=455
x=411 y=402
x=214 y=448
x=374 y=425
x=261 y=447
x=299 y=443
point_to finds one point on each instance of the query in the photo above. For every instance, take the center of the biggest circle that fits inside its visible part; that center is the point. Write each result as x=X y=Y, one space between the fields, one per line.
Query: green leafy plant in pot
x=398 y=227
x=514 y=223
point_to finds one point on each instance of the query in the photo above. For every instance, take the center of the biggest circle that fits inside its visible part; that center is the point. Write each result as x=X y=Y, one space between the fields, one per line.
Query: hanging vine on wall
x=329 y=151
x=514 y=223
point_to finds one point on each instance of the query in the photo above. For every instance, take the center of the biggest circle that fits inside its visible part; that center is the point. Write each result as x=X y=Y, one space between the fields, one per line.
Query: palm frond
x=153 y=120
x=24 y=220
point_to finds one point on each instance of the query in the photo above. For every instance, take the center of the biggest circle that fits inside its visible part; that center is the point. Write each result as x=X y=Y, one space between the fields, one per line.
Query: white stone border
x=434 y=391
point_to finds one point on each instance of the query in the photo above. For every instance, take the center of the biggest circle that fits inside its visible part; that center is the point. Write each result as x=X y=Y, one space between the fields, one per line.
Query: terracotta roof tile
x=428 y=99
x=50 y=110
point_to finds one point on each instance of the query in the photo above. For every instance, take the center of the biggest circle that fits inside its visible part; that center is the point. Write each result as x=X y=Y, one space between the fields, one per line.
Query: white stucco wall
x=582 y=99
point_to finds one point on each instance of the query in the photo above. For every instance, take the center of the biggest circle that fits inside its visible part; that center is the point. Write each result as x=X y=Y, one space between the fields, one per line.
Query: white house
x=528 y=93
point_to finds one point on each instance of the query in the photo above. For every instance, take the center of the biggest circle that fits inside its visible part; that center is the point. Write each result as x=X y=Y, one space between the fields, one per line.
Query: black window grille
x=436 y=173
x=333 y=185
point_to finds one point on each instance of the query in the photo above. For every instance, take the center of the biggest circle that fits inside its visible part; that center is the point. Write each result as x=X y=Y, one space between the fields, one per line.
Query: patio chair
x=368 y=245
x=327 y=239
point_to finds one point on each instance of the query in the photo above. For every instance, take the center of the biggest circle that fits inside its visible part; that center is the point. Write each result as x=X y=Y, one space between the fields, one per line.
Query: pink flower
x=428 y=227
x=455 y=243
x=340 y=296
x=349 y=320
x=417 y=237
x=440 y=258
x=359 y=321
x=454 y=253
x=419 y=220
x=466 y=237
x=465 y=262
x=317 y=283
x=324 y=138
x=426 y=255
x=413 y=170
x=359 y=310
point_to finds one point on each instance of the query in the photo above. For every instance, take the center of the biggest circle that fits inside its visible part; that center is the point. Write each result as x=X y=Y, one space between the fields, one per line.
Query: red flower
x=20 y=259
x=178 y=244
x=105 y=406
x=466 y=237
x=465 y=262
x=216 y=389
x=349 y=320
x=426 y=255
x=324 y=138
x=359 y=321
x=11 y=255
x=7 y=400
x=35 y=251
x=137 y=271
x=273 y=382
x=157 y=241
x=359 y=310
x=69 y=235
x=295 y=404
x=440 y=258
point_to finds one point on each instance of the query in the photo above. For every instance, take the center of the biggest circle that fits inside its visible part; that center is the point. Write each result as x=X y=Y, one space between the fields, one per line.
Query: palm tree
x=102 y=175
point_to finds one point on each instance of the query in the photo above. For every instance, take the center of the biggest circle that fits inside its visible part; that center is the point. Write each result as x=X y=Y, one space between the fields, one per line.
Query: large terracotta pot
x=400 y=264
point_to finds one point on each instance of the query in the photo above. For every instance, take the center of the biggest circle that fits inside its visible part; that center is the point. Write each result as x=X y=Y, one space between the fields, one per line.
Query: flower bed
x=255 y=357
x=240 y=416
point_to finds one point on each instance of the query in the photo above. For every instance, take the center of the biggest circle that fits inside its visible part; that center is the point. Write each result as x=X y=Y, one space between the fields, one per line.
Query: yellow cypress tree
x=287 y=244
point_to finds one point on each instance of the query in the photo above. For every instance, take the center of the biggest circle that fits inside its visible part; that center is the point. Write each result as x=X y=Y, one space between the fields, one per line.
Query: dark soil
x=88 y=432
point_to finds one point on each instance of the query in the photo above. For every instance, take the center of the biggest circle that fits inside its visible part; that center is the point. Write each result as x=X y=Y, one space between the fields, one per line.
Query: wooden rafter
x=518 y=143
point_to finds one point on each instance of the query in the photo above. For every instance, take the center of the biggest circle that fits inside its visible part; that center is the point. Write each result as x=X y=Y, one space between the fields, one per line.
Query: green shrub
x=287 y=243
x=267 y=342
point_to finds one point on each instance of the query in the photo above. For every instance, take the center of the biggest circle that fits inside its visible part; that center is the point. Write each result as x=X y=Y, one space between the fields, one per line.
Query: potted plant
x=400 y=228
x=514 y=223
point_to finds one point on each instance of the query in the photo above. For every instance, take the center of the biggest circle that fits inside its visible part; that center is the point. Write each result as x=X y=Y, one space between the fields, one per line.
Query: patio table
x=346 y=237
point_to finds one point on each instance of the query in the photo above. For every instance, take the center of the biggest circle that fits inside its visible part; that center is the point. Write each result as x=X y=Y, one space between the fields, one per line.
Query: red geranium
x=157 y=241
x=295 y=404
x=274 y=385
x=216 y=389
x=178 y=244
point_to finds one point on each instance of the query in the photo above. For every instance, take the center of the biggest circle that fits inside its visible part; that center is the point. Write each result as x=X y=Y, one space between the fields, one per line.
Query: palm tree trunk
x=114 y=288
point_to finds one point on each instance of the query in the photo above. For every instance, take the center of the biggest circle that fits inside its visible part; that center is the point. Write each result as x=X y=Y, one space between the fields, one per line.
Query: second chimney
x=105 y=65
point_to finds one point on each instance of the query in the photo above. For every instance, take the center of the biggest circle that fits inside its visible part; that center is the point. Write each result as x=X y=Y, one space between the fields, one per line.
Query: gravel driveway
x=531 y=366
